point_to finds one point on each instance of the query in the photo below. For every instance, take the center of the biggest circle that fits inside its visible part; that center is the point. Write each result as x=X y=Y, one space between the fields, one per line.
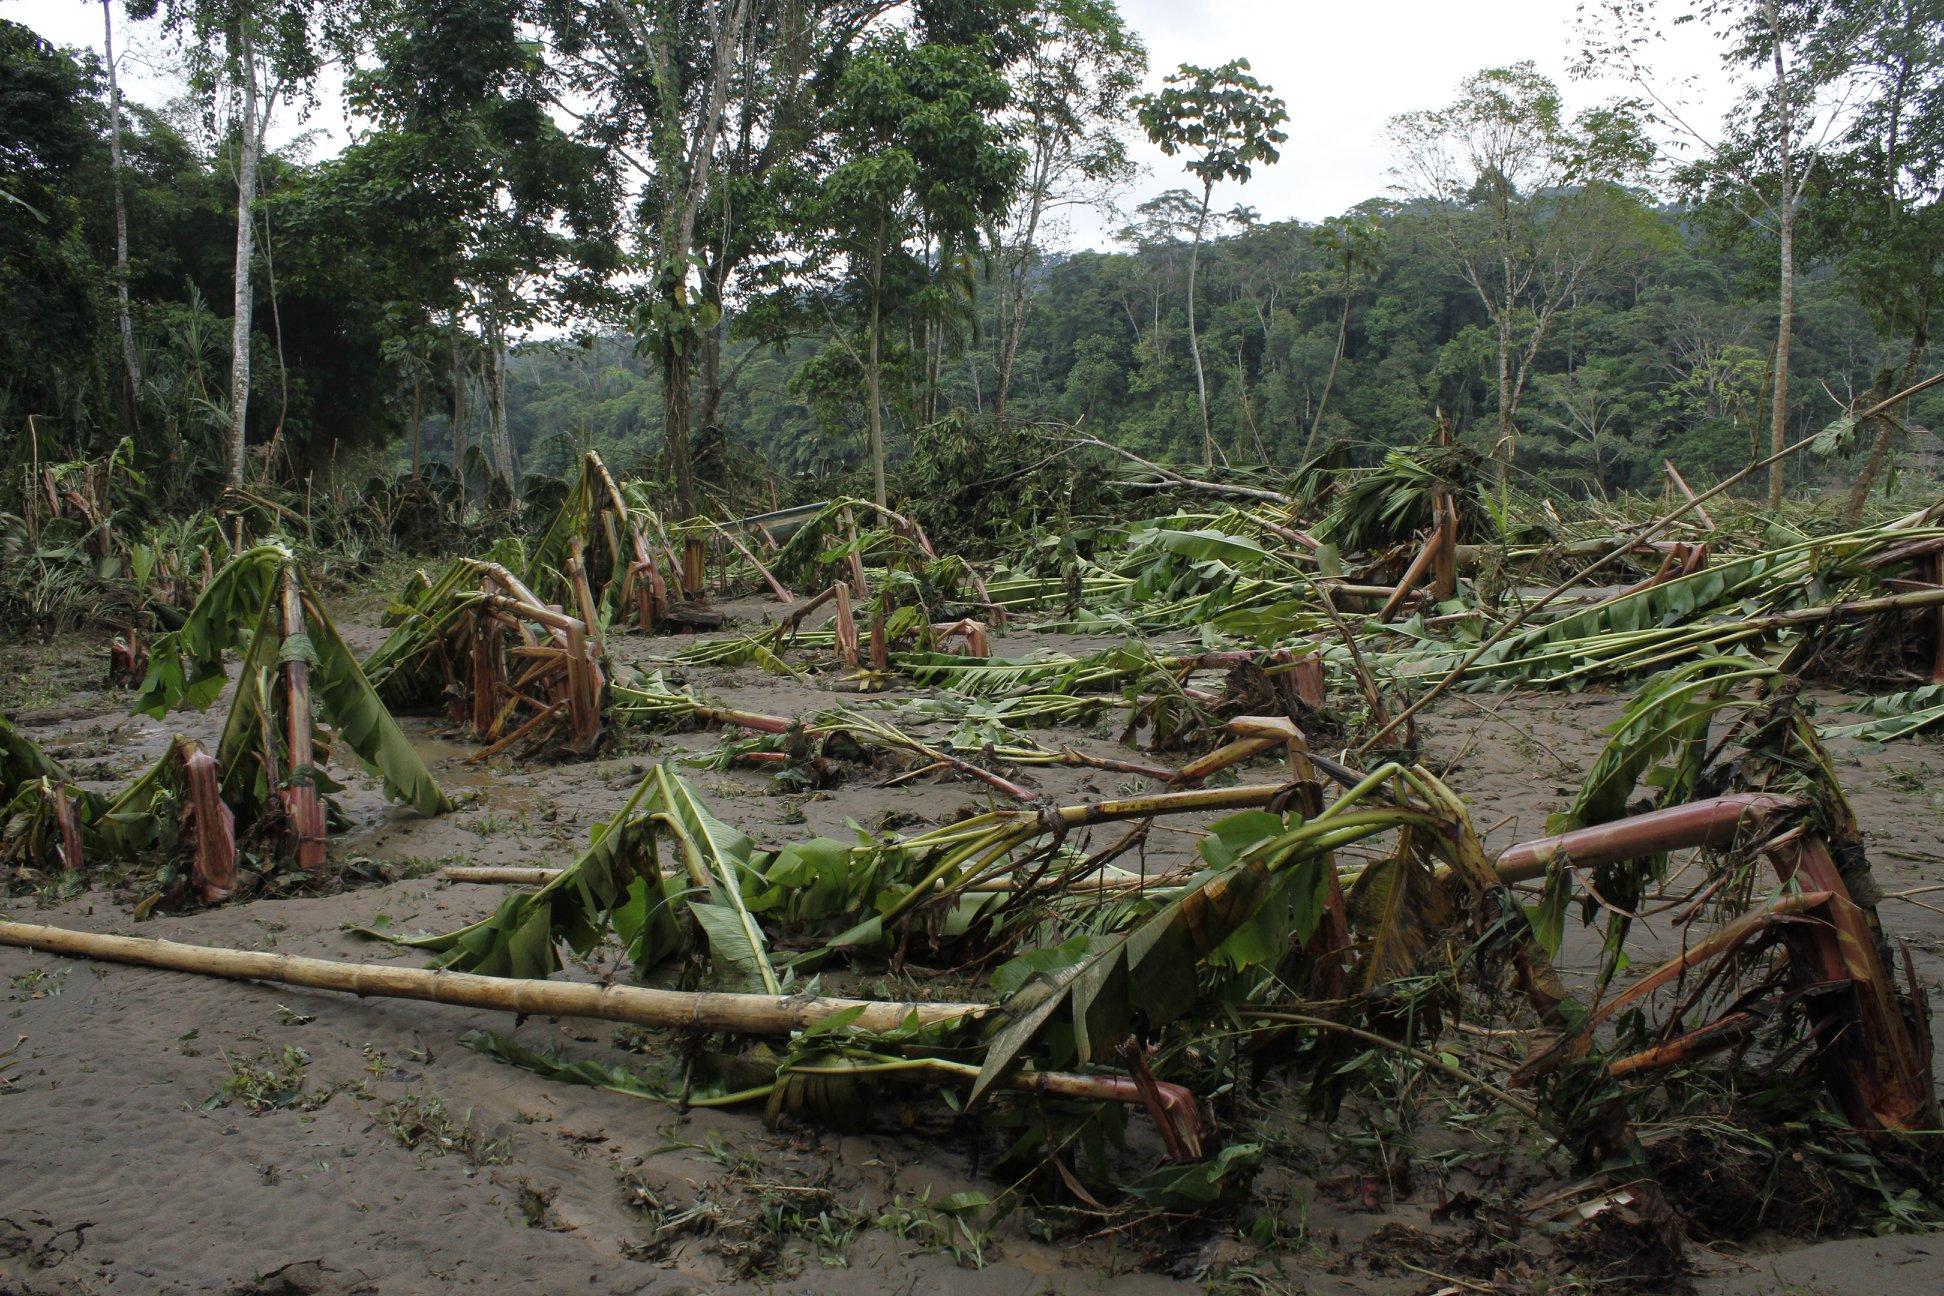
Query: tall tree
x=1519 y=194
x=1761 y=162
x=247 y=55
x=131 y=360
x=921 y=158
x=1352 y=245
x=1228 y=121
x=510 y=219
x=1071 y=94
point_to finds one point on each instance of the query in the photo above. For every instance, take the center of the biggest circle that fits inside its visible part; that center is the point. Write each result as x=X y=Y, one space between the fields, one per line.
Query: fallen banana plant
x=508 y=667
x=809 y=747
x=266 y=779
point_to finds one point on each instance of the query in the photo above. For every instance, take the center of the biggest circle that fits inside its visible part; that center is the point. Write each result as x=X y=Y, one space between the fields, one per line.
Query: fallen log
x=740 y=1014
x=1173 y=1106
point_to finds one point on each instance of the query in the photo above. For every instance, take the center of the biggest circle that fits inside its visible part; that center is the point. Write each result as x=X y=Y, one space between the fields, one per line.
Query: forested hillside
x=480 y=253
x=1664 y=358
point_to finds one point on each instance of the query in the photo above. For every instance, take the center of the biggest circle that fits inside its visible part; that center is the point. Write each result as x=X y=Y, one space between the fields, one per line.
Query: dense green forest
x=1669 y=359
x=557 y=227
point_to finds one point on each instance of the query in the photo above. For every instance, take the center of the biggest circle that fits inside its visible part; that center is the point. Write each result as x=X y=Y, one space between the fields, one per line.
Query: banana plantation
x=989 y=646
x=1138 y=862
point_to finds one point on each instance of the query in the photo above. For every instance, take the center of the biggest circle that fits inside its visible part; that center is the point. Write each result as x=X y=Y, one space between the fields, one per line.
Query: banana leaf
x=348 y=703
x=1661 y=739
x=617 y=885
x=186 y=665
x=1893 y=716
x=22 y=761
x=1153 y=972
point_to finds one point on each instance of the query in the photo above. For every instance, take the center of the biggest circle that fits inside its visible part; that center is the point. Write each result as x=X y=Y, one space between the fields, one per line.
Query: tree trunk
x=458 y=410
x=251 y=146
x=1013 y=326
x=417 y=438
x=496 y=397
x=1779 y=406
x=675 y=413
x=708 y=377
x=131 y=362
x=871 y=394
x=1194 y=339
x=1502 y=448
x=1329 y=379
x=1886 y=434
x=1785 y=228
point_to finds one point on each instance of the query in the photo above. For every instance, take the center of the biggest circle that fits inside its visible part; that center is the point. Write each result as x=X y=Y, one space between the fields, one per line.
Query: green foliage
x=237 y=611
x=1224 y=116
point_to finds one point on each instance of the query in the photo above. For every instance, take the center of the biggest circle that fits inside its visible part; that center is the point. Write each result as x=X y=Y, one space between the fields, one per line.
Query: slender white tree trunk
x=250 y=150
x=1194 y=338
x=1013 y=325
x=1329 y=380
x=131 y=362
x=871 y=384
x=1785 y=211
x=1779 y=409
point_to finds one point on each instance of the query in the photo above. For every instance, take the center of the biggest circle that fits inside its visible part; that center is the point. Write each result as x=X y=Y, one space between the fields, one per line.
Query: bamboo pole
x=741 y=1014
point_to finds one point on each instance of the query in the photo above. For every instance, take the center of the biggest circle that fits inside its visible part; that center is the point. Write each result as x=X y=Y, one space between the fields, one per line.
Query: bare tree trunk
x=871 y=393
x=1013 y=325
x=1886 y=432
x=1785 y=227
x=1502 y=448
x=1779 y=406
x=496 y=399
x=418 y=440
x=1329 y=380
x=1194 y=339
x=246 y=187
x=458 y=410
x=131 y=362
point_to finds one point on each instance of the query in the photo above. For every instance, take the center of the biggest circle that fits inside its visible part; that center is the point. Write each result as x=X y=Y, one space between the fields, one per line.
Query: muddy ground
x=166 y=1133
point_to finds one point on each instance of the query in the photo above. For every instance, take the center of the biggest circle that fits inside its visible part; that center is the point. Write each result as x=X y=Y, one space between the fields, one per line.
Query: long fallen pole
x=1171 y=1105
x=742 y=1014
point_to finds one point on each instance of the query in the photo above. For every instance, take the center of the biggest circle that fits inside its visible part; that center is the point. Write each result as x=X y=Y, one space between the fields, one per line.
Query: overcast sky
x=1343 y=66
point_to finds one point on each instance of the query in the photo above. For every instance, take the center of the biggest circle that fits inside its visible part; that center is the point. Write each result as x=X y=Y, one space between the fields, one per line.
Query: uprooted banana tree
x=509 y=667
x=1279 y=932
x=300 y=696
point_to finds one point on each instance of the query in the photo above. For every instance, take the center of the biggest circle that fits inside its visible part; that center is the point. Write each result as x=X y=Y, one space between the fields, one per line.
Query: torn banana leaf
x=1894 y=716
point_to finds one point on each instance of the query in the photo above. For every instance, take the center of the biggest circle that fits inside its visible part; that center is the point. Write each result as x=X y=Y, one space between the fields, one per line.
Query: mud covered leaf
x=347 y=702
x=1399 y=911
x=1152 y=971
x=1197 y=1185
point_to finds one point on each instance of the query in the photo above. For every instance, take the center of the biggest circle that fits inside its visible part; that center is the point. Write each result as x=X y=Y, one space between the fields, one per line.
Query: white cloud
x=1344 y=67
